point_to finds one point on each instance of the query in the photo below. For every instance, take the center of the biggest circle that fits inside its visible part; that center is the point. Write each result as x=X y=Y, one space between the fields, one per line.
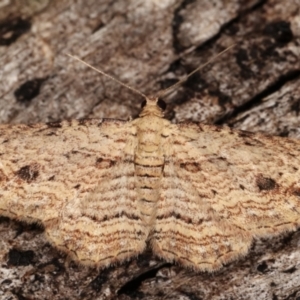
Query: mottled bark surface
x=149 y=45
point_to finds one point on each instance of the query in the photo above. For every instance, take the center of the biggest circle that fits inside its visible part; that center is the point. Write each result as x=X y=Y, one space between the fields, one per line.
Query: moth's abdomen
x=147 y=184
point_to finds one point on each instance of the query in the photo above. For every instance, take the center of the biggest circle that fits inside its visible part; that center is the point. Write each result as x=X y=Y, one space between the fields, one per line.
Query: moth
x=106 y=189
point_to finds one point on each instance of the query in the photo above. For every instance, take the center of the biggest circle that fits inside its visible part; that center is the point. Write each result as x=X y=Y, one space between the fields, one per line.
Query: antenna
x=109 y=76
x=165 y=91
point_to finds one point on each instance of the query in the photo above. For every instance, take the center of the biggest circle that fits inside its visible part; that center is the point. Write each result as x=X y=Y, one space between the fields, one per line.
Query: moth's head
x=154 y=106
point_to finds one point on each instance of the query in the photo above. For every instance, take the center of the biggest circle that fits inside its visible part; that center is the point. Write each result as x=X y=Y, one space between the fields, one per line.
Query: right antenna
x=167 y=90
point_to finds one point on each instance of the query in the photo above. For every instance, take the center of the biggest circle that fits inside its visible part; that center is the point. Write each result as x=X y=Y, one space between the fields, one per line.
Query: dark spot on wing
x=265 y=183
x=102 y=163
x=28 y=173
x=11 y=30
x=296 y=191
x=190 y=167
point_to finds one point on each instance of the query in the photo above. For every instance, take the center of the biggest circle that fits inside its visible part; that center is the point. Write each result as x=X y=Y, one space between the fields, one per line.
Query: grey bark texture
x=149 y=45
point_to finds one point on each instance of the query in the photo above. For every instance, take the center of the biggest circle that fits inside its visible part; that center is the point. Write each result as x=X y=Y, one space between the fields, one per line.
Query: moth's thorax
x=149 y=131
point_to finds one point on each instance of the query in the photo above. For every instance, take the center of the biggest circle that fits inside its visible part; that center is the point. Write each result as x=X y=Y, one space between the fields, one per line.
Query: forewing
x=230 y=186
x=74 y=177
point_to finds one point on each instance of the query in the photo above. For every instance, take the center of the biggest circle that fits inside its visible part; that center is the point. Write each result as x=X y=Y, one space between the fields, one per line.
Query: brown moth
x=104 y=189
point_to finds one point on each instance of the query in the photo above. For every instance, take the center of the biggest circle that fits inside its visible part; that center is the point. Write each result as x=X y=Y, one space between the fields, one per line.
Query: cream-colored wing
x=222 y=188
x=75 y=178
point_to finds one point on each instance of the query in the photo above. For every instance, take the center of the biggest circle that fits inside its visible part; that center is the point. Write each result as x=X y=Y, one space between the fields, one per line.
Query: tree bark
x=149 y=45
